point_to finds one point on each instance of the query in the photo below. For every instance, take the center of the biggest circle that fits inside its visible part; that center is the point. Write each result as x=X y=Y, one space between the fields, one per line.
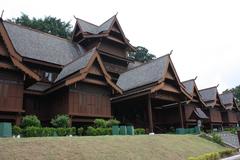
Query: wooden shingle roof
x=41 y=46
x=75 y=65
x=143 y=74
x=209 y=94
x=94 y=29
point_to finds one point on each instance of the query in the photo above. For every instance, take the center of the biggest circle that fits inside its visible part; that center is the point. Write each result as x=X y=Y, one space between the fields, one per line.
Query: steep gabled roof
x=190 y=87
x=75 y=65
x=227 y=98
x=209 y=94
x=144 y=74
x=41 y=46
x=15 y=57
x=94 y=29
x=78 y=70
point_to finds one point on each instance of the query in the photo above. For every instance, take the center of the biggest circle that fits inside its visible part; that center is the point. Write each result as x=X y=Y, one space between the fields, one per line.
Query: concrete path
x=230 y=139
x=236 y=157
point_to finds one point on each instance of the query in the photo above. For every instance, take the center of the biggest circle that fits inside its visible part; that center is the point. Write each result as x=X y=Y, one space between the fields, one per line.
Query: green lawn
x=157 y=147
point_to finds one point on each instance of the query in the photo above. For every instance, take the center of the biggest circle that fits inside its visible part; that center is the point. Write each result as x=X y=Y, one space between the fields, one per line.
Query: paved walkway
x=230 y=139
x=236 y=157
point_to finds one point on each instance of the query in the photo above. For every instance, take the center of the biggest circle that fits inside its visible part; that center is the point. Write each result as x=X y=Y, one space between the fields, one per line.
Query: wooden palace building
x=91 y=76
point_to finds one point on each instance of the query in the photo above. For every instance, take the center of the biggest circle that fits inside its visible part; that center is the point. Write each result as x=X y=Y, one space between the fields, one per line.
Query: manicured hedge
x=80 y=131
x=214 y=155
x=16 y=130
x=139 y=131
x=47 y=132
x=91 y=131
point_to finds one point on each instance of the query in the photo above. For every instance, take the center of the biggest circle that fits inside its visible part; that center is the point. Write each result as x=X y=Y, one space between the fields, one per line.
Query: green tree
x=141 y=54
x=236 y=93
x=48 y=24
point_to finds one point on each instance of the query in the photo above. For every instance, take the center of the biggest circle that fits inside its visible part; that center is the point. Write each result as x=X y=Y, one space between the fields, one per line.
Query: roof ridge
x=188 y=80
x=226 y=93
x=87 y=22
x=38 y=31
x=208 y=88
x=107 y=20
x=147 y=63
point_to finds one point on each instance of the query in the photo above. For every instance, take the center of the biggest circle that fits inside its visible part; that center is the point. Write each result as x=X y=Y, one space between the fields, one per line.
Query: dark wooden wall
x=215 y=115
x=232 y=117
x=113 y=48
x=46 y=107
x=89 y=100
x=3 y=49
x=188 y=109
x=11 y=91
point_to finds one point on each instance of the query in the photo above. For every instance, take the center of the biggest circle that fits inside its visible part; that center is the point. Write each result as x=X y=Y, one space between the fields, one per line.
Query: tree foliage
x=141 y=54
x=236 y=93
x=48 y=24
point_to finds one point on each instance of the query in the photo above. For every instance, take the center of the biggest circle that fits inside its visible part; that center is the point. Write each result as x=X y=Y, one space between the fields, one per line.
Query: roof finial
x=74 y=16
x=116 y=14
x=171 y=52
x=2 y=14
x=195 y=78
x=217 y=85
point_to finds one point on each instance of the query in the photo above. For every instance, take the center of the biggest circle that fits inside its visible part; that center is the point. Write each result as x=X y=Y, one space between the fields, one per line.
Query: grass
x=157 y=147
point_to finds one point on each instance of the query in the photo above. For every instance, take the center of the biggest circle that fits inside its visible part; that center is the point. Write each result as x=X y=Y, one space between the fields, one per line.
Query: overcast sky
x=203 y=34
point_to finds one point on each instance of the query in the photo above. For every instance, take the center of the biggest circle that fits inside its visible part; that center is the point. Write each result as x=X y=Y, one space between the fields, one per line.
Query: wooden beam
x=75 y=79
x=8 y=43
x=167 y=97
x=42 y=63
x=181 y=114
x=25 y=69
x=7 y=66
x=149 y=108
x=157 y=87
x=93 y=81
x=115 y=40
x=127 y=97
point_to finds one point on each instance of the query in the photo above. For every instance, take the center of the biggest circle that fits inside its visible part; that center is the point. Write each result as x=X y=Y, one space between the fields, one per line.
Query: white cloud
x=204 y=34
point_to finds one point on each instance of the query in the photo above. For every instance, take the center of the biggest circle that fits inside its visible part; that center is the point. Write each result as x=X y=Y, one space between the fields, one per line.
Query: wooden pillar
x=149 y=106
x=70 y=121
x=18 y=119
x=181 y=115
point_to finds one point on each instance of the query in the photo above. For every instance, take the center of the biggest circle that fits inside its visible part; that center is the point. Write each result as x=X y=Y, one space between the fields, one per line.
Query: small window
x=48 y=76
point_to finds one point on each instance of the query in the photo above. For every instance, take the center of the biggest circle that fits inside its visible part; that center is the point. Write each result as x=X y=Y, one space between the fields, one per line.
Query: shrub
x=16 y=130
x=100 y=123
x=216 y=138
x=112 y=122
x=226 y=153
x=60 y=121
x=31 y=121
x=71 y=131
x=47 y=132
x=103 y=131
x=139 y=131
x=91 y=131
x=208 y=156
x=214 y=155
x=62 y=131
x=33 y=132
x=80 y=131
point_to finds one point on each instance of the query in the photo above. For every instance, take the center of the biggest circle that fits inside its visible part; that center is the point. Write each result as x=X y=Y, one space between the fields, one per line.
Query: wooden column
x=149 y=106
x=18 y=119
x=181 y=115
